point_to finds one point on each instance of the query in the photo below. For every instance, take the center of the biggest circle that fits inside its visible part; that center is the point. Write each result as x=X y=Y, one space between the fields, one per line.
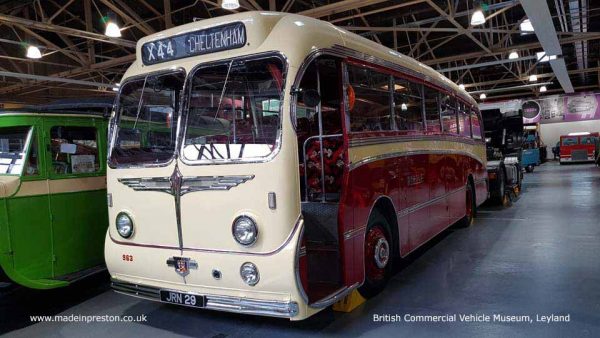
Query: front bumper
x=270 y=308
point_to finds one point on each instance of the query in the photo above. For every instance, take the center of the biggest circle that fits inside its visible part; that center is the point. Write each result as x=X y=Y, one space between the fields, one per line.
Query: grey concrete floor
x=538 y=257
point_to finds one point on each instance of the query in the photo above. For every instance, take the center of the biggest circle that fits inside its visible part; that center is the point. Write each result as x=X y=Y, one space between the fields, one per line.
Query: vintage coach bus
x=53 y=213
x=302 y=161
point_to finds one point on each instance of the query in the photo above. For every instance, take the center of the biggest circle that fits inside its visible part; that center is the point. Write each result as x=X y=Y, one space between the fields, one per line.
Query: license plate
x=182 y=298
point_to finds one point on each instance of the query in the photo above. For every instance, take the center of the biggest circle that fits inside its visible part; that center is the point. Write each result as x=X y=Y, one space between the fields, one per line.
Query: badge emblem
x=182 y=265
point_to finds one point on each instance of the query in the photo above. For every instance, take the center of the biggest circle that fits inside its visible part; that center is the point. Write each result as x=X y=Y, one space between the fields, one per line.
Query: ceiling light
x=513 y=55
x=461 y=86
x=230 y=4
x=112 y=30
x=33 y=52
x=543 y=89
x=532 y=78
x=404 y=107
x=526 y=26
x=482 y=96
x=477 y=18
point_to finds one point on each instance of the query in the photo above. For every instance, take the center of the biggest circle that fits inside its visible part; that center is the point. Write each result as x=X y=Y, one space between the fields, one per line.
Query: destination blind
x=205 y=41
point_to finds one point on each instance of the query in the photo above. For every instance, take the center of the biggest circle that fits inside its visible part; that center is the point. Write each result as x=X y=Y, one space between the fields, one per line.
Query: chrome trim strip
x=354 y=232
x=188 y=183
x=410 y=138
x=334 y=297
x=430 y=202
x=247 y=253
x=281 y=309
x=366 y=160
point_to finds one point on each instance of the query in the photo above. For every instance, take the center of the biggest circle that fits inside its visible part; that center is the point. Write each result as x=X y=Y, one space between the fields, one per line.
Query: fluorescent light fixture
x=116 y=87
x=230 y=4
x=543 y=89
x=403 y=107
x=477 y=18
x=526 y=26
x=533 y=78
x=542 y=57
x=33 y=52
x=461 y=86
x=583 y=133
x=482 y=96
x=299 y=23
x=513 y=55
x=112 y=30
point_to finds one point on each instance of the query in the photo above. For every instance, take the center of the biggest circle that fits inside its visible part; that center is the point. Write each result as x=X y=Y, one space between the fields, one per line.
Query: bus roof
x=86 y=107
x=295 y=36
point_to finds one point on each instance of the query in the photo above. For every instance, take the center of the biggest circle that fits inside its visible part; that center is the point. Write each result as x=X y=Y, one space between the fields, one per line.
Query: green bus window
x=13 y=143
x=74 y=150
x=31 y=164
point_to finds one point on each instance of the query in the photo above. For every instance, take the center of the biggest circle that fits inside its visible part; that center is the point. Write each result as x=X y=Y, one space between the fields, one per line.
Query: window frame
x=182 y=128
x=51 y=175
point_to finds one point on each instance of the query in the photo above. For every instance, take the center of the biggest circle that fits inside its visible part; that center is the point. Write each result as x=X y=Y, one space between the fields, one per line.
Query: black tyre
x=378 y=255
x=470 y=207
x=499 y=195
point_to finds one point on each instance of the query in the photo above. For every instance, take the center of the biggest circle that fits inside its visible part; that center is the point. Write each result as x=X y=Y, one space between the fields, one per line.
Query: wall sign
x=204 y=41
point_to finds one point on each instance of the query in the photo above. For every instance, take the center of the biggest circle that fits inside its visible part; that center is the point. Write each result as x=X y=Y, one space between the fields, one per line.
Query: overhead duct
x=539 y=14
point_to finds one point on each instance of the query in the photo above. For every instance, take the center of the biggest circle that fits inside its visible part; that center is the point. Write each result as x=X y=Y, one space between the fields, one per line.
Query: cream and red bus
x=270 y=164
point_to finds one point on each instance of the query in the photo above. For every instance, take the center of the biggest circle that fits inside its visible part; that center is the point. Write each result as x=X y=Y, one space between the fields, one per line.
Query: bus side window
x=74 y=150
x=408 y=106
x=464 y=120
x=432 y=110
x=449 y=116
x=475 y=125
x=31 y=164
x=372 y=104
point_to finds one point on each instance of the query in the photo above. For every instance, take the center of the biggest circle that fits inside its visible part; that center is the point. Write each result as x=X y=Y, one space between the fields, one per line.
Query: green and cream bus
x=53 y=213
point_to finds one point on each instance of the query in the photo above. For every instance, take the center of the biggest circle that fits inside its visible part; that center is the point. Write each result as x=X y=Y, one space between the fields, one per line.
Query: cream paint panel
x=8 y=185
x=358 y=153
x=32 y=188
x=43 y=187
x=77 y=184
x=153 y=213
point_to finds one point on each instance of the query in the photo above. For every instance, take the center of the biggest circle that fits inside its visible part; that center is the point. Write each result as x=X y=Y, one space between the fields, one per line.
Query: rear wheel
x=501 y=184
x=529 y=168
x=470 y=208
x=378 y=256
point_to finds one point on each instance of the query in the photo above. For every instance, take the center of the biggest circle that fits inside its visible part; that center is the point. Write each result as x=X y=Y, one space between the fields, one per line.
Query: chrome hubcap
x=382 y=253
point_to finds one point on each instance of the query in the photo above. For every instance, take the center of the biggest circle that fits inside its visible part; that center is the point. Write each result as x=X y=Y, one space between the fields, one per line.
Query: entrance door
x=77 y=195
x=322 y=160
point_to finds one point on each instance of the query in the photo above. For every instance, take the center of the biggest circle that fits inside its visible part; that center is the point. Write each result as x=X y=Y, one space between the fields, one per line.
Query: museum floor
x=539 y=257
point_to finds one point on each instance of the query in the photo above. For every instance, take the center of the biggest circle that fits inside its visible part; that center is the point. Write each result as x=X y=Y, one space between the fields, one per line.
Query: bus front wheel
x=470 y=207
x=378 y=256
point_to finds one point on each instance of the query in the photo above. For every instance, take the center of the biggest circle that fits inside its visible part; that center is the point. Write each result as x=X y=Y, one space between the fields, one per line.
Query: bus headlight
x=249 y=274
x=124 y=225
x=244 y=230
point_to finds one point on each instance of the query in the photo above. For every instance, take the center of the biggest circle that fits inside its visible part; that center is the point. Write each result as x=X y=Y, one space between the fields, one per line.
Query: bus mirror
x=311 y=97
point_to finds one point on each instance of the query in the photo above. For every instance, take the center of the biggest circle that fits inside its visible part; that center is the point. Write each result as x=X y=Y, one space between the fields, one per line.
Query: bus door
x=27 y=212
x=77 y=195
x=323 y=171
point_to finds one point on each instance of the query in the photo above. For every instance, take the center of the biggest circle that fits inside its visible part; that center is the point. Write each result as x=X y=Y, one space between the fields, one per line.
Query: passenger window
x=464 y=123
x=408 y=106
x=432 y=110
x=475 y=125
x=31 y=165
x=449 y=118
x=370 y=101
x=74 y=150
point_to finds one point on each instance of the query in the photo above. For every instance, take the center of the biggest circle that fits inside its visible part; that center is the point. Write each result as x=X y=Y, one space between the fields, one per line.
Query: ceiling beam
x=65 y=30
x=54 y=79
x=338 y=7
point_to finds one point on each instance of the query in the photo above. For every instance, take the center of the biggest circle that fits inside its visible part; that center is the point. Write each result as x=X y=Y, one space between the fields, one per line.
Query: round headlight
x=249 y=274
x=124 y=225
x=244 y=230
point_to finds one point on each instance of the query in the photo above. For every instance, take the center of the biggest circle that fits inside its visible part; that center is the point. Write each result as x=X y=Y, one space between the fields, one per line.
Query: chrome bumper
x=219 y=303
